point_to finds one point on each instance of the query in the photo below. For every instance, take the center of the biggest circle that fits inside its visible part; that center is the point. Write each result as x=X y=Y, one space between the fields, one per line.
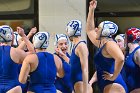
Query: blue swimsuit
x=8 y=70
x=132 y=71
x=43 y=78
x=106 y=64
x=64 y=84
x=76 y=71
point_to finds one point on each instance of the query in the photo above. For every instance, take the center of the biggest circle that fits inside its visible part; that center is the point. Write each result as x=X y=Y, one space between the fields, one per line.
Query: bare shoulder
x=82 y=46
x=31 y=58
x=138 y=51
x=56 y=59
x=17 y=55
x=81 y=49
x=113 y=50
x=137 y=54
x=16 y=51
x=111 y=45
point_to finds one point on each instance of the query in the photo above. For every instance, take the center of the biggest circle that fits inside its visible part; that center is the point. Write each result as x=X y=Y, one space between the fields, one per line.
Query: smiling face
x=63 y=45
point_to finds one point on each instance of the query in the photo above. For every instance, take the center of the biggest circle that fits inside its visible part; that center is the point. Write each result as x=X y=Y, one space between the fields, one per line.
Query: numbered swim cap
x=74 y=28
x=60 y=37
x=5 y=33
x=41 y=40
x=108 y=28
x=133 y=35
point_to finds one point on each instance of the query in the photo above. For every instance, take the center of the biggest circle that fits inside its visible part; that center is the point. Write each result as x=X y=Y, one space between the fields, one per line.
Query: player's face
x=120 y=43
x=63 y=45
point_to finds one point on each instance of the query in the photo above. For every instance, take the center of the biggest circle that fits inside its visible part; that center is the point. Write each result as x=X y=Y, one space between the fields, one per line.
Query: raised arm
x=90 y=25
x=25 y=39
x=31 y=33
x=82 y=52
x=59 y=66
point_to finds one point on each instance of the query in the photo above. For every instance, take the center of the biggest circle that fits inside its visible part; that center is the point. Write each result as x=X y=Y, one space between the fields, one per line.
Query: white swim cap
x=74 y=28
x=60 y=37
x=17 y=37
x=5 y=33
x=41 y=40
x=108 y=28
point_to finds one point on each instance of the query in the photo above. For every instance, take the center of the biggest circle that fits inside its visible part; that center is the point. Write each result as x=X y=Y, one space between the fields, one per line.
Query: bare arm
x=93 y=79
x=30 y=63
x=90 y=25
x=116 y=53
x=82 y=52
x=25 y=70
x=31 y=33
x=17 y=55
x=26 y=40
x=59 y=66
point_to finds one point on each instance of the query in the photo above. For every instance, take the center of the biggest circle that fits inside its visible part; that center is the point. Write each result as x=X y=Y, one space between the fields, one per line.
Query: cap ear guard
x=60 y=37
x=108 y=28
x=74 y=28
x=6 y=33
x=41 y=40
x=122 y=35
x=133 y=35
x=16 y=39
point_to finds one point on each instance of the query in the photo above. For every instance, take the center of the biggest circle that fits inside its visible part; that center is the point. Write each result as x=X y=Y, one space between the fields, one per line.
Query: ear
x=105 y=32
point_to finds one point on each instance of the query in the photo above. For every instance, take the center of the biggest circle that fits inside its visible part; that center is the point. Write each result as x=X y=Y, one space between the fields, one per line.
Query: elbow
x=60 y=75
x=121 y=60
x=21 y=80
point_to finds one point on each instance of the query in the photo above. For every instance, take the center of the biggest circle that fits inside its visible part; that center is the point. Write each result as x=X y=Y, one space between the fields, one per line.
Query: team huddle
x=27 y=67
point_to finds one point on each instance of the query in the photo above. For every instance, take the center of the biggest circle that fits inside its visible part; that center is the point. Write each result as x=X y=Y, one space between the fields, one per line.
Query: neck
x=76 y=40
x=40 y=50
x=105 y=39
x=132 y=46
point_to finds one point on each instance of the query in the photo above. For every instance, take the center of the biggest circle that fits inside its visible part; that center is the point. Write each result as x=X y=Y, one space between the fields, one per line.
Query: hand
x=20 y=31
x=59 y=52
x=93 y=80
x=92 y=5
x=108 y=76
x=90 y=82
x=32 y=31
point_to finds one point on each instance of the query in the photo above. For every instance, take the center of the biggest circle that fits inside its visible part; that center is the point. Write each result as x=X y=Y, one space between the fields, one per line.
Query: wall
x=55 y=14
